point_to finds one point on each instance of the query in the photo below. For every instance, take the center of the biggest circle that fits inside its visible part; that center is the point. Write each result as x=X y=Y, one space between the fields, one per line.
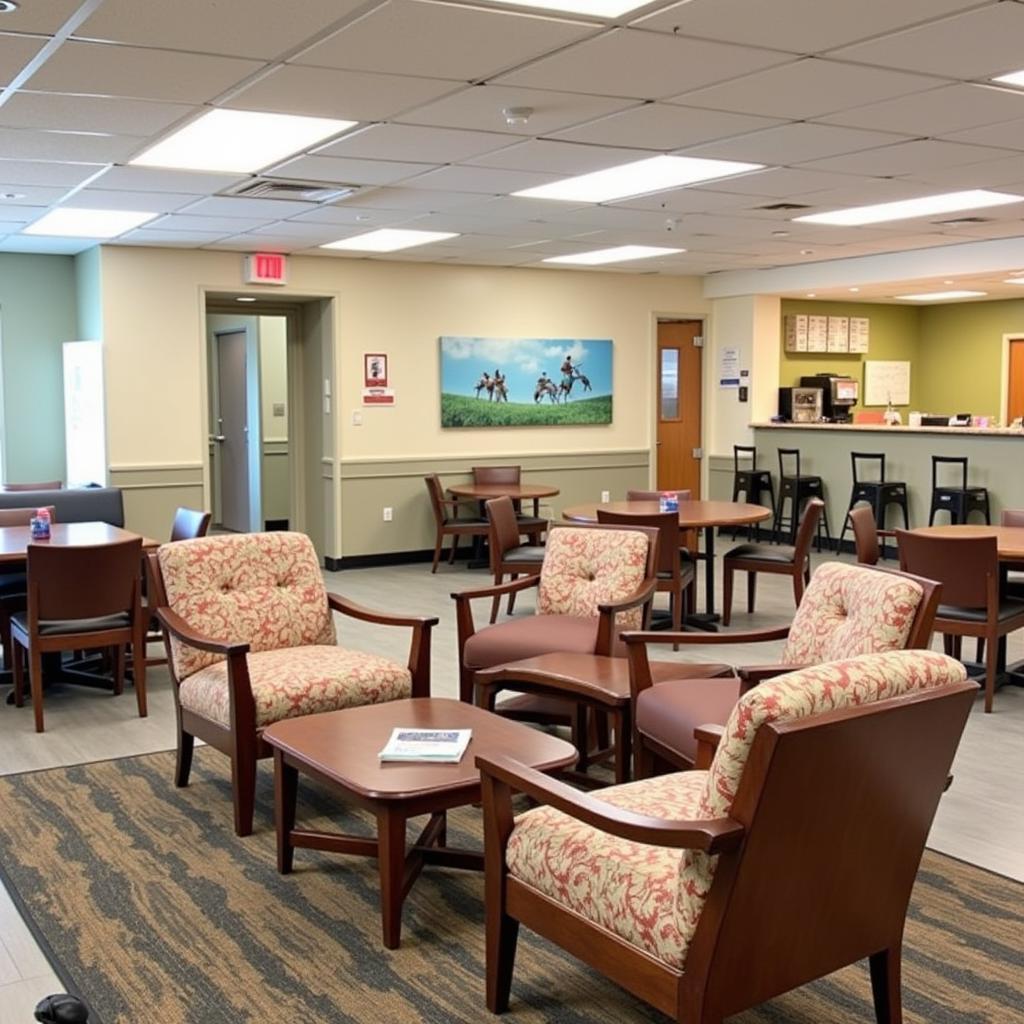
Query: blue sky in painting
x=521 y=360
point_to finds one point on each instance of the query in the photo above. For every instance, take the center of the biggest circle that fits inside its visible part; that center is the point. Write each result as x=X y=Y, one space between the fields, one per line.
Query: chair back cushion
x=849 y=610
x=264 y=589
x=810 y=691
x=586 y=567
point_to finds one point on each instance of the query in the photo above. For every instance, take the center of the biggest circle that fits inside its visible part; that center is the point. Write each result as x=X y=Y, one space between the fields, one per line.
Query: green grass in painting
x=463 y=411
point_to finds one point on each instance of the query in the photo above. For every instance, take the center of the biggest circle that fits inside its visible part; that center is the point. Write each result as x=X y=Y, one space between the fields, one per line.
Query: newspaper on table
x=444 y=746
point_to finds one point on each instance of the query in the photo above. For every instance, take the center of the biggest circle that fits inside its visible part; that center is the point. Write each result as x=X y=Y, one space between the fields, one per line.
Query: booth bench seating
x=78 y=505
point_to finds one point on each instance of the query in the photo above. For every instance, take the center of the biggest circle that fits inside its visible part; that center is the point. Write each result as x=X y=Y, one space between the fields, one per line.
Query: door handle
x=218 y=437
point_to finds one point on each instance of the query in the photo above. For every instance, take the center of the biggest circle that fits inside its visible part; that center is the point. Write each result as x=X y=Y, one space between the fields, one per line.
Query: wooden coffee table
x=339 y=749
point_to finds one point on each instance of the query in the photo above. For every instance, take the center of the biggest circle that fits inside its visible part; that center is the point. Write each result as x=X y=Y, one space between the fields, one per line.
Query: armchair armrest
x=178 y=627
x=751 y=675
x=419 y=646
x=608 y=611
x=708 y=737
x=465 y=627
x=716 y=835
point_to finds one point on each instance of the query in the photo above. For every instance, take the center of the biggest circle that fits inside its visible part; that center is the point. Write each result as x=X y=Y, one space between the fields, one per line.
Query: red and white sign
x=378 y=396
x=265 y=268
x=375 y=370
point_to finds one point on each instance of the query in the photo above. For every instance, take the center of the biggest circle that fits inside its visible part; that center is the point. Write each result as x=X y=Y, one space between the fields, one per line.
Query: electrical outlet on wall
x=389 y=513
x=606 y=495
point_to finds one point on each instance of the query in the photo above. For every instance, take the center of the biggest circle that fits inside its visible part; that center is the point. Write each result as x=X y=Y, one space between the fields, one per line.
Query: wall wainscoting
x=153 y=492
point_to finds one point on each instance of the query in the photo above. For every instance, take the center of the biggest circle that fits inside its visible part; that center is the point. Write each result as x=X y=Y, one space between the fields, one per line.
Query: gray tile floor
x=980 y=820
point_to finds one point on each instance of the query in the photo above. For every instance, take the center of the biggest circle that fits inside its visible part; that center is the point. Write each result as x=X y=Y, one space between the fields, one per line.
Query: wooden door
x=678 y=399
x=1015 y=396
x=232 y=434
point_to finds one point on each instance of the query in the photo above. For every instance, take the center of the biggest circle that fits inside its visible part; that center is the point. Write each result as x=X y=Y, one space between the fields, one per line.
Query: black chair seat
x=527 y=523
x=62 y=627
x=13 y=584
x=468 y=521
x=527 y=553
x=783 y=553
x=1007 y=610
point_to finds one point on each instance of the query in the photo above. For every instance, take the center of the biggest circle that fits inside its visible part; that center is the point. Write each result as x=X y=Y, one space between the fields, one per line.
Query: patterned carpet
x=155 y=911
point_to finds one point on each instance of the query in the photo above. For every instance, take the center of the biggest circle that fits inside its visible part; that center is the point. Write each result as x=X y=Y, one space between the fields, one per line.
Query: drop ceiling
x=844 y=103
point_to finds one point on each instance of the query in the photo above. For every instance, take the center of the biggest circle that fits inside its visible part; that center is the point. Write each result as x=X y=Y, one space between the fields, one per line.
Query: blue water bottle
x=39 y=524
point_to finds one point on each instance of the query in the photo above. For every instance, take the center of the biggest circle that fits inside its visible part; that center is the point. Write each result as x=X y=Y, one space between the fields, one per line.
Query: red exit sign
x=266 y=268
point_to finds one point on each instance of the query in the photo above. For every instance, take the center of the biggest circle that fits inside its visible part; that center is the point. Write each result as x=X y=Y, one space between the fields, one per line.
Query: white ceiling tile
x=905 y=158
x=45 y=17
x=209 y=26
x=687 y=200
x=935 y=112
x=108 y=199
x=974 y=44
x=1005 y=134
x=989 y=229
x=14 y=213
x=89 y=113
x=178 y=239
x=184 y=222
x=103 y=69
x=417 y=200
x=351 y=172
x=41 y=172
x=311 y=233
x=488 y=180
x=557 y=157
x=479 y=107
x=232 y=206
x=335 y=215
x=46 y=244
x=988 y=174
x=779 y=182
x=156 y=179
x=31 y=195
x=443 y=41
x=351 y=95
x=15 y=53
x=806 y=88
x=250 y=243
x=456 y=221
x=415 y=143
x=792 y=144
x=27 y=144
x=645 y=65
x=664 y=127
x=804 y=26
x=861 y=191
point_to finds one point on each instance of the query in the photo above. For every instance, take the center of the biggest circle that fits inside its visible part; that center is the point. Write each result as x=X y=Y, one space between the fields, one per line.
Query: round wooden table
x=693 y=515
x=517 y=492
x=1009 y=539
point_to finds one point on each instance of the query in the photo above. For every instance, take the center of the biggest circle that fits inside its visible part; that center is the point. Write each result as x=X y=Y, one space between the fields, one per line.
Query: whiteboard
x=886 y=382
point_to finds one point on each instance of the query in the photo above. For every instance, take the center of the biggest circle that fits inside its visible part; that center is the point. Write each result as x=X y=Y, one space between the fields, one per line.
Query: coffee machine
x=839 y=394
x=800 y=405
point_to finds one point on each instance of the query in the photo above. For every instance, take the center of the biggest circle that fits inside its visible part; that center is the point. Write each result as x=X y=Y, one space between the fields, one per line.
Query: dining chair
x=866 y=535
x=48 y=485
x=13 y=581
x=507 y=551
x=80 y=598
x=689 y=547
x=972 y=605
x=533 y=525
x=674 y=576
x=1014 y=570
x=706 y=893
x=447 y=521
x=781 y=559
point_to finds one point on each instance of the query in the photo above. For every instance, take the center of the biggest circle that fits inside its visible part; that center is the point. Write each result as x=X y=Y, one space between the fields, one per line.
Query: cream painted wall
x=274 y=376
x=153 y=311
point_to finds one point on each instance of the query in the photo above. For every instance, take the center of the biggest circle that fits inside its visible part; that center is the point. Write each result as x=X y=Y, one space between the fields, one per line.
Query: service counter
x=996 y=461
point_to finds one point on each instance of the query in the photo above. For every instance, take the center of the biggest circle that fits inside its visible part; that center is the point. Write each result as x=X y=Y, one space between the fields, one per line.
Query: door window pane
x=669 y=398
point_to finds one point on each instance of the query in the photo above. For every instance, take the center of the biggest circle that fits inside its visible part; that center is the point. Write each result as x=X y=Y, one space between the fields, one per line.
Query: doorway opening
x=678 y=398
x=1015 y=381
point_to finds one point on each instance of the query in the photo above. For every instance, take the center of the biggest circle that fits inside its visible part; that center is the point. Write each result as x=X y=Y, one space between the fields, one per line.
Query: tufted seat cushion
x=298 y=681
x=629 y=888
x=850 y=610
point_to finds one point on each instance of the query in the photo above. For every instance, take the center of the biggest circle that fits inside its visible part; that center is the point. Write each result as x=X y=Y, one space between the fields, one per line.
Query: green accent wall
x=895 y=335
x=89 y=295
x=37 y=315
x=961 y=355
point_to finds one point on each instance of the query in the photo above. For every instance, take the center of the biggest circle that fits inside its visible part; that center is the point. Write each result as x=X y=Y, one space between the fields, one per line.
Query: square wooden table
x=339 y=749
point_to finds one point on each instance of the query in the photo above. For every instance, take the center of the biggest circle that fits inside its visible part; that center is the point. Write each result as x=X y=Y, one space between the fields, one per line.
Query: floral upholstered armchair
x=823 y=791
x=847 y=610
x=250 y=640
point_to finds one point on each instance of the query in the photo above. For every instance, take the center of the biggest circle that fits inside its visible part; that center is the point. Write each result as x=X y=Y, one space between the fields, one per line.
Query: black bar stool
x=799 y=489
x=750 y=482
x=878 y=493
x=960 y=501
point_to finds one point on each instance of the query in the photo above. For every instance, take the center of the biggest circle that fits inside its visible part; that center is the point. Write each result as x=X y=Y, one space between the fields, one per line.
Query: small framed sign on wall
x=375 y=370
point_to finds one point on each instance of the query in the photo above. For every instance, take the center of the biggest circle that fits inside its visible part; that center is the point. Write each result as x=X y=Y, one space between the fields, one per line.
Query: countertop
x=880 y=428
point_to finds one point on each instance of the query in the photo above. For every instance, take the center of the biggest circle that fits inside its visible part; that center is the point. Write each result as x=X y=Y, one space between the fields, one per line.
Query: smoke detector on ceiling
x=283 y=188
x=515 y=116
x=7 y=6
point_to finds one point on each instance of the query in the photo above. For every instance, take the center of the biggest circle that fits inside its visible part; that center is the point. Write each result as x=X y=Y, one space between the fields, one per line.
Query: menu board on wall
x=886 y=382
x=859 y=333
x=838 y=338
x=817 y=334
x=796 y=332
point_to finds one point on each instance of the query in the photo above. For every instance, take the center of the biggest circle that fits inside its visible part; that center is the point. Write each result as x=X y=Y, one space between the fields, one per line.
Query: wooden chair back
x=865 y=534
x=1011 y=517
x=669 y=534
x=48 y=485
x=808 y=528
x=436 y=492
x=23 y=516
x=656 y=495
x=83 y=581
x=504 y=528
x=189 y=523
x=967 y=567
x=497 y=474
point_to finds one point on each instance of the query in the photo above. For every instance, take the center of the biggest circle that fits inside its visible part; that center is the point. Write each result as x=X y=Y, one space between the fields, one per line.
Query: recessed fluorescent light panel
x=1013 y=78
x=389 y=240
x=654 y=174
x=239 y=141
x=941 y=296
x=595 y=8
x=904 y=209
x=1014 y=280
x=68 y=222
x=620 y=254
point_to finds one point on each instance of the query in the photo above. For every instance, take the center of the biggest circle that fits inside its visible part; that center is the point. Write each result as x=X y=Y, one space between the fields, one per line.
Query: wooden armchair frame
x=606 y=631
x=646 y=749
x=796 y=895
x=243 y=742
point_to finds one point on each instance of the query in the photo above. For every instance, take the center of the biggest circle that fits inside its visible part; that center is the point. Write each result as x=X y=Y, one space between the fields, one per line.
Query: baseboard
x=384 y=558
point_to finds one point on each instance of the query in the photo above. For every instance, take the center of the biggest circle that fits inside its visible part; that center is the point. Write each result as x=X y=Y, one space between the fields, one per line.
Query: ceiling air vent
x=964 y=220
x=281 y=188
x=783 y=206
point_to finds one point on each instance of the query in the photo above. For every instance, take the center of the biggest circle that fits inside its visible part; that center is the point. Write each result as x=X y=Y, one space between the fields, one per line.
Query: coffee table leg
x=623 y=745
x=286 y=785
x=391 y=862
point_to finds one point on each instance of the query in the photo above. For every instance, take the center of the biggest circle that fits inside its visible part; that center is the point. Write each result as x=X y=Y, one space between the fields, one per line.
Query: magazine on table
x=444 y=746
